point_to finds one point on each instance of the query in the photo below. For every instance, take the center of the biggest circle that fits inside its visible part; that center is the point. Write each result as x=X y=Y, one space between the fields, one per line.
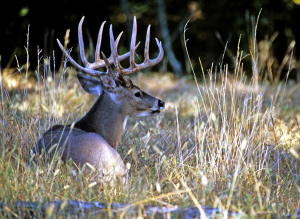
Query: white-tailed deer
x=94 y=138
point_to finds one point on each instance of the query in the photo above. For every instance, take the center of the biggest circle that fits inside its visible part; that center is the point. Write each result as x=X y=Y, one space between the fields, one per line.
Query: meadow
x=226 y=140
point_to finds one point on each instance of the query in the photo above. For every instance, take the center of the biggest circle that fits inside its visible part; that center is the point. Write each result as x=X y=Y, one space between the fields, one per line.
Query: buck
x=94 y=138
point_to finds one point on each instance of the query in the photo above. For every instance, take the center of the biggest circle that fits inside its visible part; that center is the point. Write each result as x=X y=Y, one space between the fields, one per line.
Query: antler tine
x=118 y=39
x=160 y=55
x=97 y=53
x=107 y=64
x=146 y=53
x=110 y=59
x=81 y=44
x=114 y=52
x=132 y=44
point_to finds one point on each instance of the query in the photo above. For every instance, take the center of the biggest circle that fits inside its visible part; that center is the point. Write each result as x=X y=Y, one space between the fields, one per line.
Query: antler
x=90 y=67
x=133 y=66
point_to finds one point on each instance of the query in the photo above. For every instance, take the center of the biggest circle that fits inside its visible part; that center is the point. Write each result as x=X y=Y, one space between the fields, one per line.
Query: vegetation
x=229 y=142
x=214 y=25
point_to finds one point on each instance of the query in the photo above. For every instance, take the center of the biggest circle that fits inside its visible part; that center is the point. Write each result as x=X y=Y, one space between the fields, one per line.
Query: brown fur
x=83 y=148
x=95 y=137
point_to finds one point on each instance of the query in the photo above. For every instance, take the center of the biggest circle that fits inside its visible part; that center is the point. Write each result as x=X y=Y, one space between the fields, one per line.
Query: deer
x=93 y=139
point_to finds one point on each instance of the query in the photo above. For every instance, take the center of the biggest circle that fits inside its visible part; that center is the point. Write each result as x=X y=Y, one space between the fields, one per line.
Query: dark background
x=212 y=24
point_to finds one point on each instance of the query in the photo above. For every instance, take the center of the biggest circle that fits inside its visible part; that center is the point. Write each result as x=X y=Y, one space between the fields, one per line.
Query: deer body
x=94 y=138
x=84 y=148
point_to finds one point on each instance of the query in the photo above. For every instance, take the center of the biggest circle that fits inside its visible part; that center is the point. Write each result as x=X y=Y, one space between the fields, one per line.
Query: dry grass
x=227 y=142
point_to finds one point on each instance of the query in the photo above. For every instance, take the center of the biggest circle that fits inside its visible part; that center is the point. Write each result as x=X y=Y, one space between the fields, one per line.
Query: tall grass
x=227 y=142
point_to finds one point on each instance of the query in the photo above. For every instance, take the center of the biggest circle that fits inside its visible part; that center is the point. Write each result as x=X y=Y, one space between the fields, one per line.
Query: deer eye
x=137 y=94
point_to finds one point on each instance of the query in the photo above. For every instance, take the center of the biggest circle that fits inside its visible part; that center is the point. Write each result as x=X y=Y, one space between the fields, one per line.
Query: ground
x=224 y=141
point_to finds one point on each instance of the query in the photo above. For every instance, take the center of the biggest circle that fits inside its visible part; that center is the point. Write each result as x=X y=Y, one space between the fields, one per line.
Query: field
x=227 y=142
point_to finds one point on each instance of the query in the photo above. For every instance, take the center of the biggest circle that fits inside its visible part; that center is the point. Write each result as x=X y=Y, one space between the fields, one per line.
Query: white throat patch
x=125 y=122
x=113 y=97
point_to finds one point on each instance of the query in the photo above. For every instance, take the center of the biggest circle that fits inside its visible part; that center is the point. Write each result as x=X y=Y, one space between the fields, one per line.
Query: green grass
x=227 y=142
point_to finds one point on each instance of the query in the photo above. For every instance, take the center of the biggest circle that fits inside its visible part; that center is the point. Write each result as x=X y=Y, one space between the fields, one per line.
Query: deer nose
x=161 y=104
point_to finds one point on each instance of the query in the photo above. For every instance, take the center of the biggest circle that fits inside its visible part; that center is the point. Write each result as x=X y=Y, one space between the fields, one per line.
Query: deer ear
x=108 y=83
x=90 y=85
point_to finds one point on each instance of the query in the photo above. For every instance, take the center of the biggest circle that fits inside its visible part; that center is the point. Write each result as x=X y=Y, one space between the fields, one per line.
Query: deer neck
x=106 y=119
